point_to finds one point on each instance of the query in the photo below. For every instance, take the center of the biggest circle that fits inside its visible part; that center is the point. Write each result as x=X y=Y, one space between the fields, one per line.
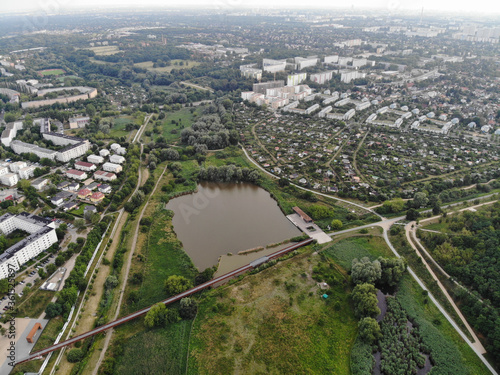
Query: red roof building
x=77 y=175
x=84 y=166
x=84 y=193
x=97 y=197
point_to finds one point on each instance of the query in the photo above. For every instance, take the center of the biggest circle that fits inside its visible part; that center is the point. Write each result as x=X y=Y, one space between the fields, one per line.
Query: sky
x=57 y=6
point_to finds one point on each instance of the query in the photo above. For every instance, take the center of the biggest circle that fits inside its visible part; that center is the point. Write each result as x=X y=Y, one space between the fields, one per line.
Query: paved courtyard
x=311 y=229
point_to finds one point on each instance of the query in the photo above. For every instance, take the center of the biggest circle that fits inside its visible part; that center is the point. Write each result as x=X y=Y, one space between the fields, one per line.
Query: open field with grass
x=105 y=50
x=275 y=322
x=35 y=304
x=118 y=128
x=172 y=125
x=51 y=72
x=174 y=64
x=161 y=351
x=344 y=251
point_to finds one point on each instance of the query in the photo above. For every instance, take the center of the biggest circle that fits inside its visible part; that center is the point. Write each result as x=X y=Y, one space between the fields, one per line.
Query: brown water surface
x=223 y=218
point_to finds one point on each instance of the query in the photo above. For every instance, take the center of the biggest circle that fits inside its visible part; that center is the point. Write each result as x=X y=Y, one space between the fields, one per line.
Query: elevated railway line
x=167 y=301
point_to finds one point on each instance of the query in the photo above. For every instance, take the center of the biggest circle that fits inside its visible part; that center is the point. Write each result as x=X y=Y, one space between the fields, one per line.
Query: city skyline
x=393 y=6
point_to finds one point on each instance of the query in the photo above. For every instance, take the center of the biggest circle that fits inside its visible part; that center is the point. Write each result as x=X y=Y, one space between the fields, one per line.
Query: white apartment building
x=117 y=159
x=104 y=152
x=95 y=159
x=10 y=132
x=16 y=166
x=21 y=147
x=84 y=166
x=77 y=175
x=295 y=79
x=9 y=179
x=73 y=151
x=112 y=167
x=121 y=151
x=42 y=236
x=303 y=63
x=321 y=78
x=27 y=172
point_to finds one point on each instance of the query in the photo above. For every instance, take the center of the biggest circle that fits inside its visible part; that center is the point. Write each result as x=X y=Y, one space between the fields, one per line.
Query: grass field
x=174 y=64
x=344 y=251
x=161 y=351
x=171 y=131
x=36 y=304
x=164 y=257
x=51 y=72
x=118 y=129
x=274 y=322
x=104 y=50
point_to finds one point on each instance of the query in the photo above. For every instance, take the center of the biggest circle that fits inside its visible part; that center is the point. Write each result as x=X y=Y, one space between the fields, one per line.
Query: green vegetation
x=51 y=72
x=275 y=321
x=450 y=354
x=344 y=251
x=400 y=346
x=161 y=351
x=173 y=64
x=469 y=252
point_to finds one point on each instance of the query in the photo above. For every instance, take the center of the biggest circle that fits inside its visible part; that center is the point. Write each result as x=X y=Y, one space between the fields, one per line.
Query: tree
x=188 y=308
x=51 y=268
x=369 y=330
x=176 y=284
x=412 y=214
x=156 y=316
x=111 y=282
x=79 y=223
x=420 y=200
x=336 y=224
x=365 y=271
x=393 y=270
x=75 y=355
x=52 y=310
x=90 y=110
x=4 y=286
x=365 y=301
x=94 y=218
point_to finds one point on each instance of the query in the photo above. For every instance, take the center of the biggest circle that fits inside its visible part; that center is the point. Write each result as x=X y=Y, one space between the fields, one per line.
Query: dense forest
x=470 y=253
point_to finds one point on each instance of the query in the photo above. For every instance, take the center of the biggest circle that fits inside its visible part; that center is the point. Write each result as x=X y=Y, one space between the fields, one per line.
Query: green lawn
x=344 y=251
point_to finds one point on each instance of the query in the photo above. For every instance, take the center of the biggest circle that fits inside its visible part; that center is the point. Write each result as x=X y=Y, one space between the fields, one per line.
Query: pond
x=223 y=218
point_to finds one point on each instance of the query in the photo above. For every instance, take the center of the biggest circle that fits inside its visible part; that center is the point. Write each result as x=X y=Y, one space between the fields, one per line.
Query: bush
x=75 y=355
